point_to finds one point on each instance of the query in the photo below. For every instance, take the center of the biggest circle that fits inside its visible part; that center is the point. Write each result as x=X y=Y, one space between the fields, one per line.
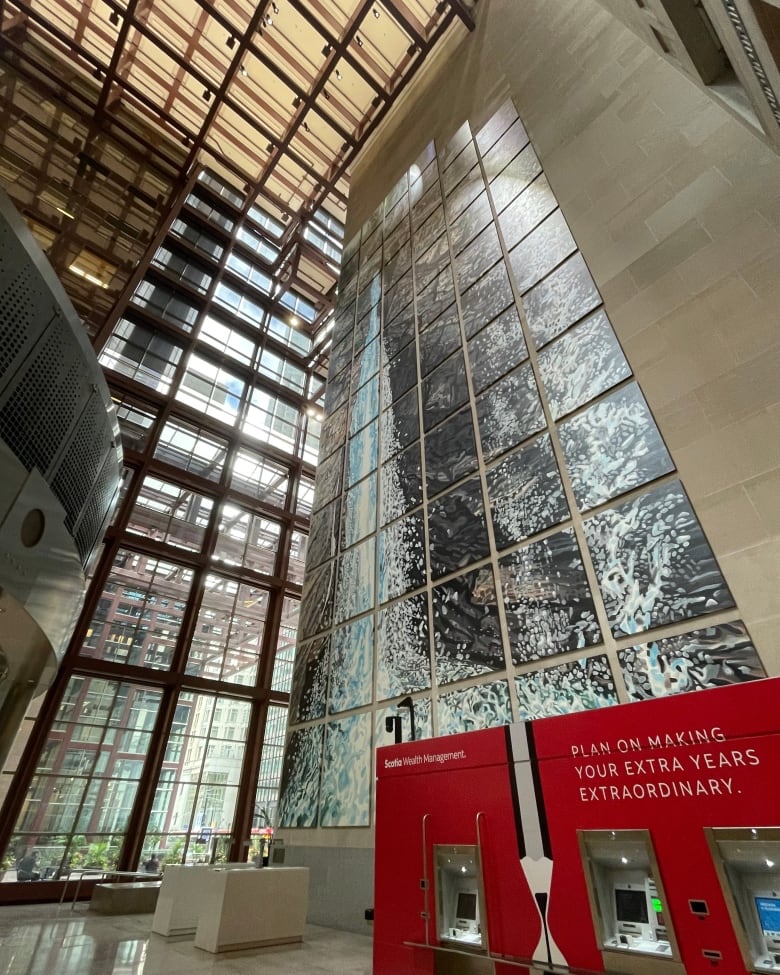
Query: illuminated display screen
x=467 y=906
x=768 y=913
x=630 y=905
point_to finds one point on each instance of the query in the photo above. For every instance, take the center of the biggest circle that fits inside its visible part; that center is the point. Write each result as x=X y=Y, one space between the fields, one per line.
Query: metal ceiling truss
x=119 y=99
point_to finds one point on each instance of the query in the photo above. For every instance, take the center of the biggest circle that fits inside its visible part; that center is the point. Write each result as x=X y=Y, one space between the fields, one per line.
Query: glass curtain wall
x=165 y=729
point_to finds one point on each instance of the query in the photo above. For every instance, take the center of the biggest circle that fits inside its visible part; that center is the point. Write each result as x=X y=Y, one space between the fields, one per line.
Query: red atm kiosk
x=642 y=838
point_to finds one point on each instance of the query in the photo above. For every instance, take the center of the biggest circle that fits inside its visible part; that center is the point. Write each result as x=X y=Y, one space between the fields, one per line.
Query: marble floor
x=42 y=940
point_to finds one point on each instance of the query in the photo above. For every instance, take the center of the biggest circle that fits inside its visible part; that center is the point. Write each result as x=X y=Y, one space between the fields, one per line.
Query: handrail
x=426 y=912
x=484 y=920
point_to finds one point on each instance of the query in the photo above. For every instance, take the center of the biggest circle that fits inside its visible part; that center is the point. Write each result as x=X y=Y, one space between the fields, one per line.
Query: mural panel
x=310 y=680
x=709 y=657
x=580 y=365
x=300 y=786
x=509 y=412
x=403 y=656
x=351 y=665
x=526 y=493
x=560 y=300
x=472 y=708
x=466 y=629
x=450 y=452
x=355 y=586
x=612 y=447
x=653 y=562
x=346 y=772
x=457 y=534
x=401 y=557
x=549 y=607
x=578 y=685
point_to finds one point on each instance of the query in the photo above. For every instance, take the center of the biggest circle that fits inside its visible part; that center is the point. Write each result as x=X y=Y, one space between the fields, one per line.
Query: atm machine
x=747 y=861
x=459 y=897
x=627 y=902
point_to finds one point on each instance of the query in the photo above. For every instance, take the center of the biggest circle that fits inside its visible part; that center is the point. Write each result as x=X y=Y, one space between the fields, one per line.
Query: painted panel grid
x=494 y=496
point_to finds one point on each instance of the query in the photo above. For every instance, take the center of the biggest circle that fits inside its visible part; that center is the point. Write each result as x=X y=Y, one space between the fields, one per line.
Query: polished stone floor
x=42 y=940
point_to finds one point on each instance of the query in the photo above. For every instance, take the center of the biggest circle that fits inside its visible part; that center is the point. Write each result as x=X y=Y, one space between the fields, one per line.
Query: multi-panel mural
x=498 y=529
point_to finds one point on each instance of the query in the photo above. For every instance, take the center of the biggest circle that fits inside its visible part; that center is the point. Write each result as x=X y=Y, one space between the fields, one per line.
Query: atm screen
x=768 y=913
x=466 y=909
x=630 y=905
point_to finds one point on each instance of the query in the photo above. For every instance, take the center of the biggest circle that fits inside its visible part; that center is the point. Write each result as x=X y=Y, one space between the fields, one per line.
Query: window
x=171 y=514
x=165 y=302
x=250 y=273
x=185 y=269
x=282 y=371
x=271 y=420
x=258 y=245
x=136 y=421
x=292 y=338
x=229 y=340
x=247 y=539
x=285 y=646
x=211 y=389
x=189 y=448
x=145 y=636
x=79 y=800
x=198 y=786
x=298 y=305
x=259 y=477
x=197 y=238
x=142 y=354
x=228 y=638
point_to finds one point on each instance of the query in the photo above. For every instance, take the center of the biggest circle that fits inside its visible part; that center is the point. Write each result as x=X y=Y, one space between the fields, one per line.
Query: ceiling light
x=624 y=860
x=338 y=75
x=274 y=8
x=359 y=40
x=376 y=13
x=113 y=18
x=65 y=213
x=305 y=127
x=206 y=94
x=294 y=321
x=326 y=50
x=268 y=20
x=243 y=70
x=270 y=147
x=770 y=863
x=231 y=41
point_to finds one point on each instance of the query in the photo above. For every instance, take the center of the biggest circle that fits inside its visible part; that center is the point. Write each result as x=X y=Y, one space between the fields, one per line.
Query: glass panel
x=285 y=645
x=169 y=513
x=192 y=449
x=166 y=302
x=305 y=496
x=139 y=614
x=79 y=800
x=228 y=638
x=211 y=389
x=196 y=793
x=246 y=539
x=263 y=479
x=289 y=336
x=297 y=559
x=271 y=420
x=233 y=343
x=142 y=354
x=136 y=421
x=267 y=793
x=282 y=371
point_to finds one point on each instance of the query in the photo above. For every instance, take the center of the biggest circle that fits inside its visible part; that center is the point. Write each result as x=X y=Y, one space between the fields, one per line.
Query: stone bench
x=132 y=898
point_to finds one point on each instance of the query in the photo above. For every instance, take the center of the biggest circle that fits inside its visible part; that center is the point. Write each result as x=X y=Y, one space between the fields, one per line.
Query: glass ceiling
x=109 y=107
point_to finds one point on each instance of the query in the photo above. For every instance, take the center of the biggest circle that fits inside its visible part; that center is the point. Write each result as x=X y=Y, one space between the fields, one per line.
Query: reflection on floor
x=42 y=940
